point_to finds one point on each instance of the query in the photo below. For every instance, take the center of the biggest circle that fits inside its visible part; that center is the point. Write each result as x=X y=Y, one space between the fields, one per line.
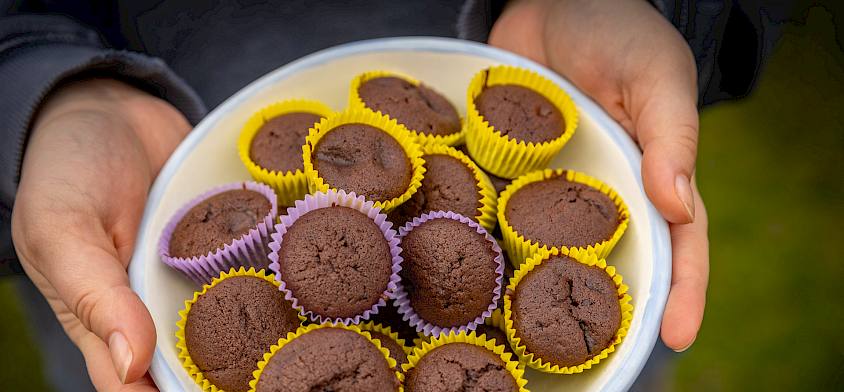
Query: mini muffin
x=415 y=105
x=516 y=120
x=366 y=153
x=460 y=367
x=451 y=273
x=335 y=262
x=560 y=209
x=277 y=146
x=217 y=221
x=228 y=327
x=326 y=359
x=227 y=227
x=452 y=182
x=270 y=145
x=564 y=312
x=520 y=113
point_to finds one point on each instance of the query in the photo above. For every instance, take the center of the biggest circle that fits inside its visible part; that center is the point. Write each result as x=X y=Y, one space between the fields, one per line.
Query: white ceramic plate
x=600 y=147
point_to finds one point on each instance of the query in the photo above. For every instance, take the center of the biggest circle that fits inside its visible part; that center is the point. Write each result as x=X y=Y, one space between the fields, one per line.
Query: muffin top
x=449 y=272
x=335 y=261
x=460 y=367
x=277 y=146
x=230 y=327
x=566 y=312
x=396 y=350
x=520 y=113
x=448 y=185
x=328 y=359
x=557 y=212
x=363 y=159
x=419 y=108
x=218 y=221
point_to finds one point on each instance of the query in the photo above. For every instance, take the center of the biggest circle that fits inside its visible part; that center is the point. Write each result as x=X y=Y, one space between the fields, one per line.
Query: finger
x=690 y=275
x=664 y=111
x=92 y=283
x=102 y=371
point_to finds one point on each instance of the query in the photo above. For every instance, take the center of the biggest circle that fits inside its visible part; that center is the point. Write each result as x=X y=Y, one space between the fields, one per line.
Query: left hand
x=631 y=61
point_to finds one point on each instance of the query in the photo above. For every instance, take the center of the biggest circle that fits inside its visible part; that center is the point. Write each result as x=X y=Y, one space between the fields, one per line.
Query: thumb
x=93 y=284
x=666 y=125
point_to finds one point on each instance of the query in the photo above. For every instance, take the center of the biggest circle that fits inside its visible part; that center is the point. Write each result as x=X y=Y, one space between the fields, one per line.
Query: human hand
x=94 y=150
x=631 y=61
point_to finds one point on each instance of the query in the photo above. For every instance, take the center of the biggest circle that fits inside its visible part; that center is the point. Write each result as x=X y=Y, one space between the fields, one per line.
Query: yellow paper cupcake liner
x=181 y=344
x=519 y=248
x=367 y=117
x=581 y=256
x=499 y=154
x=355 y=102
x=489 y=197
x=290 y=185
x=256 y=375
x=372 y=326
x=512 y=366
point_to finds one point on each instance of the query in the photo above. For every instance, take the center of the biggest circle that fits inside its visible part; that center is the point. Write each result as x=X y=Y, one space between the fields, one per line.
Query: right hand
x=95 y=148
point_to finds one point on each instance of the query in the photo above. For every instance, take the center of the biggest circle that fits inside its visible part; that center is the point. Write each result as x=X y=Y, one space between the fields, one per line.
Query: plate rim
x=633 y=364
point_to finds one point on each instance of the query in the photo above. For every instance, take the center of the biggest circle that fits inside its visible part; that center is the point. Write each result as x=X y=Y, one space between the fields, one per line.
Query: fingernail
x=683 y=188
x=687 y=346
x=121 y=354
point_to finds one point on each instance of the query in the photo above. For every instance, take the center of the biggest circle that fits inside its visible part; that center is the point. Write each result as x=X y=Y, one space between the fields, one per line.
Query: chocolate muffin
x=566 y=312
x=520 y=113
x=363 y=159
x=449 y=272
x=448 y=185
x=495 y=334
x=557 y=212
x=419 y=108
x=328 y=359
x=230 y=327
x=335 y=261
x=278 y=144
x=396 y=350
x=389 y=315
x=218 y=221
x=460 y=367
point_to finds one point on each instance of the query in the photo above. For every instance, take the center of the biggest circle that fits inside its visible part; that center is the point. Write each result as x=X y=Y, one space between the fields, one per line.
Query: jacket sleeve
x=36 y=53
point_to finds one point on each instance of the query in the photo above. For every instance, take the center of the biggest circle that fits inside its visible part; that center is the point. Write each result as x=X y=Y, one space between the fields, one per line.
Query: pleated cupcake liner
x=500 y=154
x=367 y=117
x=520 y=248
x=402 y=300
x=583 y=257
x=327 y=199
x=289 y=185
x=256 y=375
x=422 y=138
x=181 y=343
x=250 y=250
x=488 y=196
x=371 y=326
x=469 y=337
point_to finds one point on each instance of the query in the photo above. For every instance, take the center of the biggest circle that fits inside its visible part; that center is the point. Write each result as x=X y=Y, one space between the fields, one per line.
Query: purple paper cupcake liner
x=402 y=302
x=250 y=250
x=329 y=199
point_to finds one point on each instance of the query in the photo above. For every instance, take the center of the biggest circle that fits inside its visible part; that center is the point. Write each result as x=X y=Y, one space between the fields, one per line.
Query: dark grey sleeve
x=36 y=53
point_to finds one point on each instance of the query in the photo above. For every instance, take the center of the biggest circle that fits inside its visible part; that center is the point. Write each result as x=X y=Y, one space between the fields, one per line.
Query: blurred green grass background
x=771 y=169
